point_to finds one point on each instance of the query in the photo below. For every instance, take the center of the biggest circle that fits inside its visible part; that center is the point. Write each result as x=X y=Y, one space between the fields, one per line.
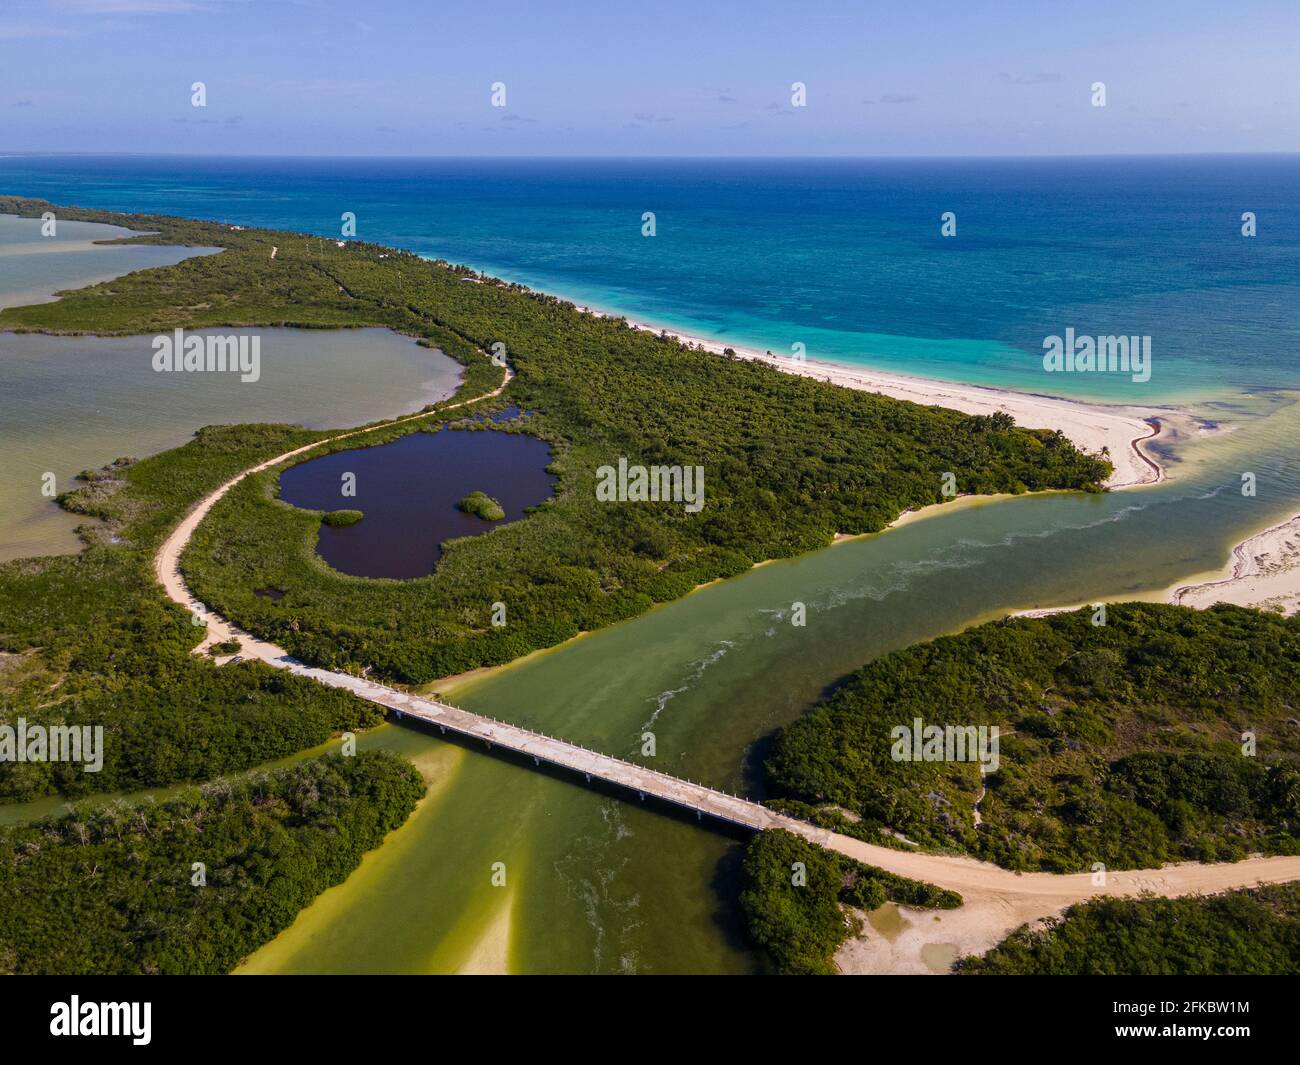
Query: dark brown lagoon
x=408 y=491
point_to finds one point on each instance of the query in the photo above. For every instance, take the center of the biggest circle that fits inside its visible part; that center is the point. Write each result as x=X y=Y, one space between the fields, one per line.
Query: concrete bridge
x=1035 y=894
x=592 y=765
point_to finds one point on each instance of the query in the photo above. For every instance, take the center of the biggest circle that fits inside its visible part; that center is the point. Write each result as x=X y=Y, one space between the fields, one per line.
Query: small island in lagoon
x=339 y=518
x=482 y=505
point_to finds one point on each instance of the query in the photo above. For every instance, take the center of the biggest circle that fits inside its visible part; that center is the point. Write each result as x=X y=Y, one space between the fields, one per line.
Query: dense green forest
x=111 y=889
x=789 y=461
x=1121 y=743
x=798 y=914
x=1241 y=933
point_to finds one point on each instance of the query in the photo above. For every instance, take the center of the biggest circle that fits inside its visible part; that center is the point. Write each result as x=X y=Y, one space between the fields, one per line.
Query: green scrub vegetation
x=1165 y=734
x=340 y=518
x=114 y=889
x=788 y=461
x=794 y=894
x=482 y=505
x=1121 y=743
x=91 y=640
x=1240 y=933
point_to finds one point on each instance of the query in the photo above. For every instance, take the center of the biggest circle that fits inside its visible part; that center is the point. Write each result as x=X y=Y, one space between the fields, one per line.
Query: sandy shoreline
x=1122 y=431
x=1264 y=572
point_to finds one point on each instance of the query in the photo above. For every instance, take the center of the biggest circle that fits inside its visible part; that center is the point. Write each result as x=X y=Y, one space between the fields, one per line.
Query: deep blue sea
x=843 y=256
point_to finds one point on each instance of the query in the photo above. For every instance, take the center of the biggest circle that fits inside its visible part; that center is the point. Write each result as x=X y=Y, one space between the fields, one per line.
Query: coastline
x=1089 y=426
x=1262 y=571
x=1123 y=432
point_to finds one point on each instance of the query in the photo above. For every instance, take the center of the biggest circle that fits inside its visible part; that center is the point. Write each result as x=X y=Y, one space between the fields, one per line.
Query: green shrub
x=794 y=893
x=482 y=505
x=1120 y=743
x=112 y=889
x=339 y=518
x=1241 y=933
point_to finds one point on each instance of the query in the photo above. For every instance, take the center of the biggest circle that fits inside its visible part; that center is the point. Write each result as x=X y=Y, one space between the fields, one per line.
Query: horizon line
x=22 y=154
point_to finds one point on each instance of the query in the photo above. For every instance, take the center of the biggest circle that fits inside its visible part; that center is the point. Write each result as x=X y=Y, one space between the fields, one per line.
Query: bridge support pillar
x=588 y=776
x=444 y=729
x=641 y=795
x=536 y=760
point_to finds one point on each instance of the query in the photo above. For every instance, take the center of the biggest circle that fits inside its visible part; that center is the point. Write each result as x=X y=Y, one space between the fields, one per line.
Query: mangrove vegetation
x=1164 y=734
x=195 y=883
x=788 y=461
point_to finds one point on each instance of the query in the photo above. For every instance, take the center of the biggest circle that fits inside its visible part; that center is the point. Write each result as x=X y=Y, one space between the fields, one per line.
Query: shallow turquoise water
x=844 y=256
x=34 y=267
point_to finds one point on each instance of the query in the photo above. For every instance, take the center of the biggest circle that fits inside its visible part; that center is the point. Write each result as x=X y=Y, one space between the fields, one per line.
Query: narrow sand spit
x=1264 y=572
x=1121 y=430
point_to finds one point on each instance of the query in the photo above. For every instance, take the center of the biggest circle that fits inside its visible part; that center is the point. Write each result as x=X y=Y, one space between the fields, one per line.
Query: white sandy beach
x=1091 y=427
x=1264 y=572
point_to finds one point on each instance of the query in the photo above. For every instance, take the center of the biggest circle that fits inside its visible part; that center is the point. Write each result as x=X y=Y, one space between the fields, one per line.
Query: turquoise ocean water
x=843 y=256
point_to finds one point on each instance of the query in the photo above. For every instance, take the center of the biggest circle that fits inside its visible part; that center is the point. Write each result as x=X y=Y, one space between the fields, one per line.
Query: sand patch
x=1263 y=572
x=902 y=940
x=490 y=956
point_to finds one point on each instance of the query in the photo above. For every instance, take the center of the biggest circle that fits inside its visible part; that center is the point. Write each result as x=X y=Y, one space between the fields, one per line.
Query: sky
x=609 y=77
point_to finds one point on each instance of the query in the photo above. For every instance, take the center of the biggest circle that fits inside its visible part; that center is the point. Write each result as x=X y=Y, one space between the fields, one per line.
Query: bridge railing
x=537 y=734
